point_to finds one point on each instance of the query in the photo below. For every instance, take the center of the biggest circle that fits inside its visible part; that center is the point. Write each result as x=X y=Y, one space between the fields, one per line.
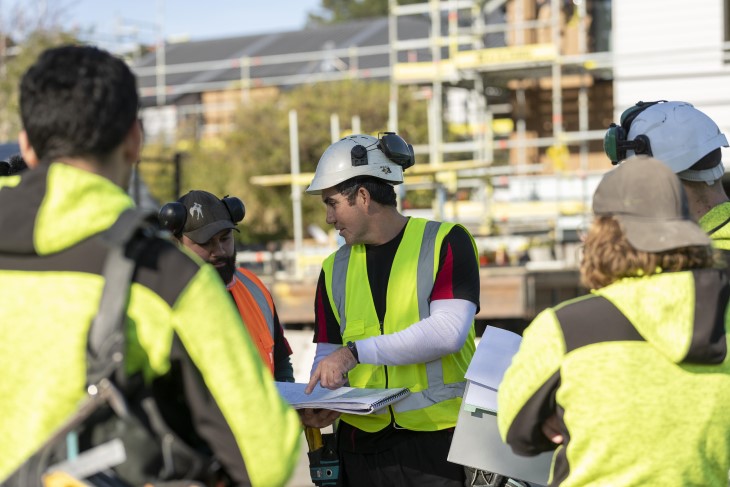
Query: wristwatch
x=353 y=349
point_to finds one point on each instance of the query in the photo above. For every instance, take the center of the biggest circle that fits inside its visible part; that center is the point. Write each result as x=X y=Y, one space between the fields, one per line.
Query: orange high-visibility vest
x=256 y=307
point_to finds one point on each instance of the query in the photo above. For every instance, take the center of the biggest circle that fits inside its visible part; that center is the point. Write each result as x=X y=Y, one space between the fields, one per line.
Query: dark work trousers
x=419 y=461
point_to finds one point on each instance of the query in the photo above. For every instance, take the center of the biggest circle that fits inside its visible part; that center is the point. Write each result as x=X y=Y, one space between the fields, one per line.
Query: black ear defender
x=615 y=144
x=12 y=165
x=172 y=216
x=235 y=208
x=397 y=150
x=392 y=145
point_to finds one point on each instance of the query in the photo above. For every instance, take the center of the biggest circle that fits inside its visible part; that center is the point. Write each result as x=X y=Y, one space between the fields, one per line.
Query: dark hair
x=77 y=101
x=710 y=160
x=380 y=191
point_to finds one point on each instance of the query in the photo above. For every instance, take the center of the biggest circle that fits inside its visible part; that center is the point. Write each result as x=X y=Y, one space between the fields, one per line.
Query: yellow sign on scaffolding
x=427 y=71
x=529 y=53
x=558 y=155
x=473 y=59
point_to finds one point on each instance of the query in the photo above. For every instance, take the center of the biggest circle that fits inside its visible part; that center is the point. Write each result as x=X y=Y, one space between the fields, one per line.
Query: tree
x=343 y=10
x=259 y=145
x=23 y=36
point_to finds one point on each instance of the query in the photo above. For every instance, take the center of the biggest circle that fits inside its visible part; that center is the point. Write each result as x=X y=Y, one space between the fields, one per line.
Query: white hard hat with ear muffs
x=674 y=132
x=363 y=155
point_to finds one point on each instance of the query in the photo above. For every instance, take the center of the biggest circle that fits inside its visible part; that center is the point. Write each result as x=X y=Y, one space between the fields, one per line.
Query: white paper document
x=352 y=400
x=491 y=359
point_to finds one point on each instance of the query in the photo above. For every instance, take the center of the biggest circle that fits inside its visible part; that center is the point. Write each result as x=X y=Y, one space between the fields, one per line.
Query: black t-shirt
x=457 y=278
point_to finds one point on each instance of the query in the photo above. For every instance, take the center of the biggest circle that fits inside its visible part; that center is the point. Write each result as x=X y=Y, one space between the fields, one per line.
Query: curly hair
x=608 y=256
x=77 y=101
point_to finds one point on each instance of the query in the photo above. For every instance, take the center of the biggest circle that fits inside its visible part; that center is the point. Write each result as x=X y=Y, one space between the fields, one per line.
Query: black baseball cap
x=206 y=216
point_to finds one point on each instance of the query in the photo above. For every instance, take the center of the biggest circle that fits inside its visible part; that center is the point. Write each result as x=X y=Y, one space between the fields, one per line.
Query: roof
x=278 y=58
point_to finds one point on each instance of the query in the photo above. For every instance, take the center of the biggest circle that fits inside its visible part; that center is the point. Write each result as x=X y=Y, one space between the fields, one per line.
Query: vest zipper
x=385 y=368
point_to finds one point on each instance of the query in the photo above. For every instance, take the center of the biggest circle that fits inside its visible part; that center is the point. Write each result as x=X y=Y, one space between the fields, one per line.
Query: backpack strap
x=106 y=341
x=105 y=346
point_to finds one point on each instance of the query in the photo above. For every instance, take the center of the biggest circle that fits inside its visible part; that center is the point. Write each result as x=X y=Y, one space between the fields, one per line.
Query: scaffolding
x=509 y=56
x=536 y=90
x=535 y=78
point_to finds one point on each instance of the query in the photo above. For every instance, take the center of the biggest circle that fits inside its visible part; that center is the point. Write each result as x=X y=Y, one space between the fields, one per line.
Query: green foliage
x=335 y=11
x=13 y=68
x=259 y=145
x=158 y=171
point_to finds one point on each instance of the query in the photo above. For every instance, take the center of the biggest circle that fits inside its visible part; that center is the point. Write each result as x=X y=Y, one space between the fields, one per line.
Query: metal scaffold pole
x=296 y=190
x=393 y=57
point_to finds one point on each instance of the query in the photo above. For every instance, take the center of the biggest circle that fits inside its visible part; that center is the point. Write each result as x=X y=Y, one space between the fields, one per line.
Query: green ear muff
x=611 y=142
x=630 y=113
x=615 y=144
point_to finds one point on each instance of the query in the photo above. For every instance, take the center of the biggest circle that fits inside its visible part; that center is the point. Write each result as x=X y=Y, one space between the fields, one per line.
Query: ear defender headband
x=172 y=216
x=392 y=145
x=615 y=144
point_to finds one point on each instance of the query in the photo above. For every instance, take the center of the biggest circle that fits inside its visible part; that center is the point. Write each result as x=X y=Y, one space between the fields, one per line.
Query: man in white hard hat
x=394 y=307
x=689 y=143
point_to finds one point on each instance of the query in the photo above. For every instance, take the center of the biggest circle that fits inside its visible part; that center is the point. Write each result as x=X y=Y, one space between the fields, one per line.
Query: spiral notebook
x=351 y=400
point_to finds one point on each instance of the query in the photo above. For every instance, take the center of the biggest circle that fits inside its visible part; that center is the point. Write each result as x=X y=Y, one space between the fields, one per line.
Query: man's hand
x=317 y=418
x=331 y=371
x=551 y=429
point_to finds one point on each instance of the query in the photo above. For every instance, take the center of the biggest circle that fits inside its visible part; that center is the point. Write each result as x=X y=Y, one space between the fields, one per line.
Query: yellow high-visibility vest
x=437 y=386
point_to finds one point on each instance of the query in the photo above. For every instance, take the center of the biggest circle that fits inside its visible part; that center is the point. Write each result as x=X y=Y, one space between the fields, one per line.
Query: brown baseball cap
x=648 y=201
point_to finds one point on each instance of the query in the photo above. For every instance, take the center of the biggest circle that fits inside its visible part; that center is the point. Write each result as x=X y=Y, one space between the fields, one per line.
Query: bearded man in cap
x=630 y=384
x=204 y=224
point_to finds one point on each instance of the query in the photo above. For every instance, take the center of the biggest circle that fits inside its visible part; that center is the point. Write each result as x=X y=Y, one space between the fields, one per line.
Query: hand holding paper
x=317 y=418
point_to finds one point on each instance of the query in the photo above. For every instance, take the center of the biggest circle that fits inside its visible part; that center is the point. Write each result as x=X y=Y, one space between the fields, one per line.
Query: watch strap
x=353 y=349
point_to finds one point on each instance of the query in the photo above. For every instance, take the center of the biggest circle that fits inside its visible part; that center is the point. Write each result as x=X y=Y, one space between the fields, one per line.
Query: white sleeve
x=442 y=333
x=323 y=349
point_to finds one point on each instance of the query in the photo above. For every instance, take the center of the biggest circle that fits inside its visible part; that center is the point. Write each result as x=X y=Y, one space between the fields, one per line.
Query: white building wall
x=671 y=50
x=547 y=188
x=160 y=123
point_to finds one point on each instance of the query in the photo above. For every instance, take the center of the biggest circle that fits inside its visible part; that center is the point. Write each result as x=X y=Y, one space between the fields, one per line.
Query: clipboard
x=477 y=444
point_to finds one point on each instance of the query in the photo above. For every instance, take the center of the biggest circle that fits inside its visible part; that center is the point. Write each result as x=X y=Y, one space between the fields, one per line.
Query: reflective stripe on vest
x=260 y=298
x=424 y=282
x=257 y=313
x=338 y=265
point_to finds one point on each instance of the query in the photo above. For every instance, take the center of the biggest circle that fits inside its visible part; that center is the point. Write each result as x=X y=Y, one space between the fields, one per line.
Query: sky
x=113 y=23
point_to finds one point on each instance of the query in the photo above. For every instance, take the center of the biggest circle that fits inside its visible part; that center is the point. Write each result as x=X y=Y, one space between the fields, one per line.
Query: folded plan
x=350 y=400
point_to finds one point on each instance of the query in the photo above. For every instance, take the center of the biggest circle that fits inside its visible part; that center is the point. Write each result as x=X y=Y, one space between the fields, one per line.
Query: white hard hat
x=679 y=136
x=356 y=155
